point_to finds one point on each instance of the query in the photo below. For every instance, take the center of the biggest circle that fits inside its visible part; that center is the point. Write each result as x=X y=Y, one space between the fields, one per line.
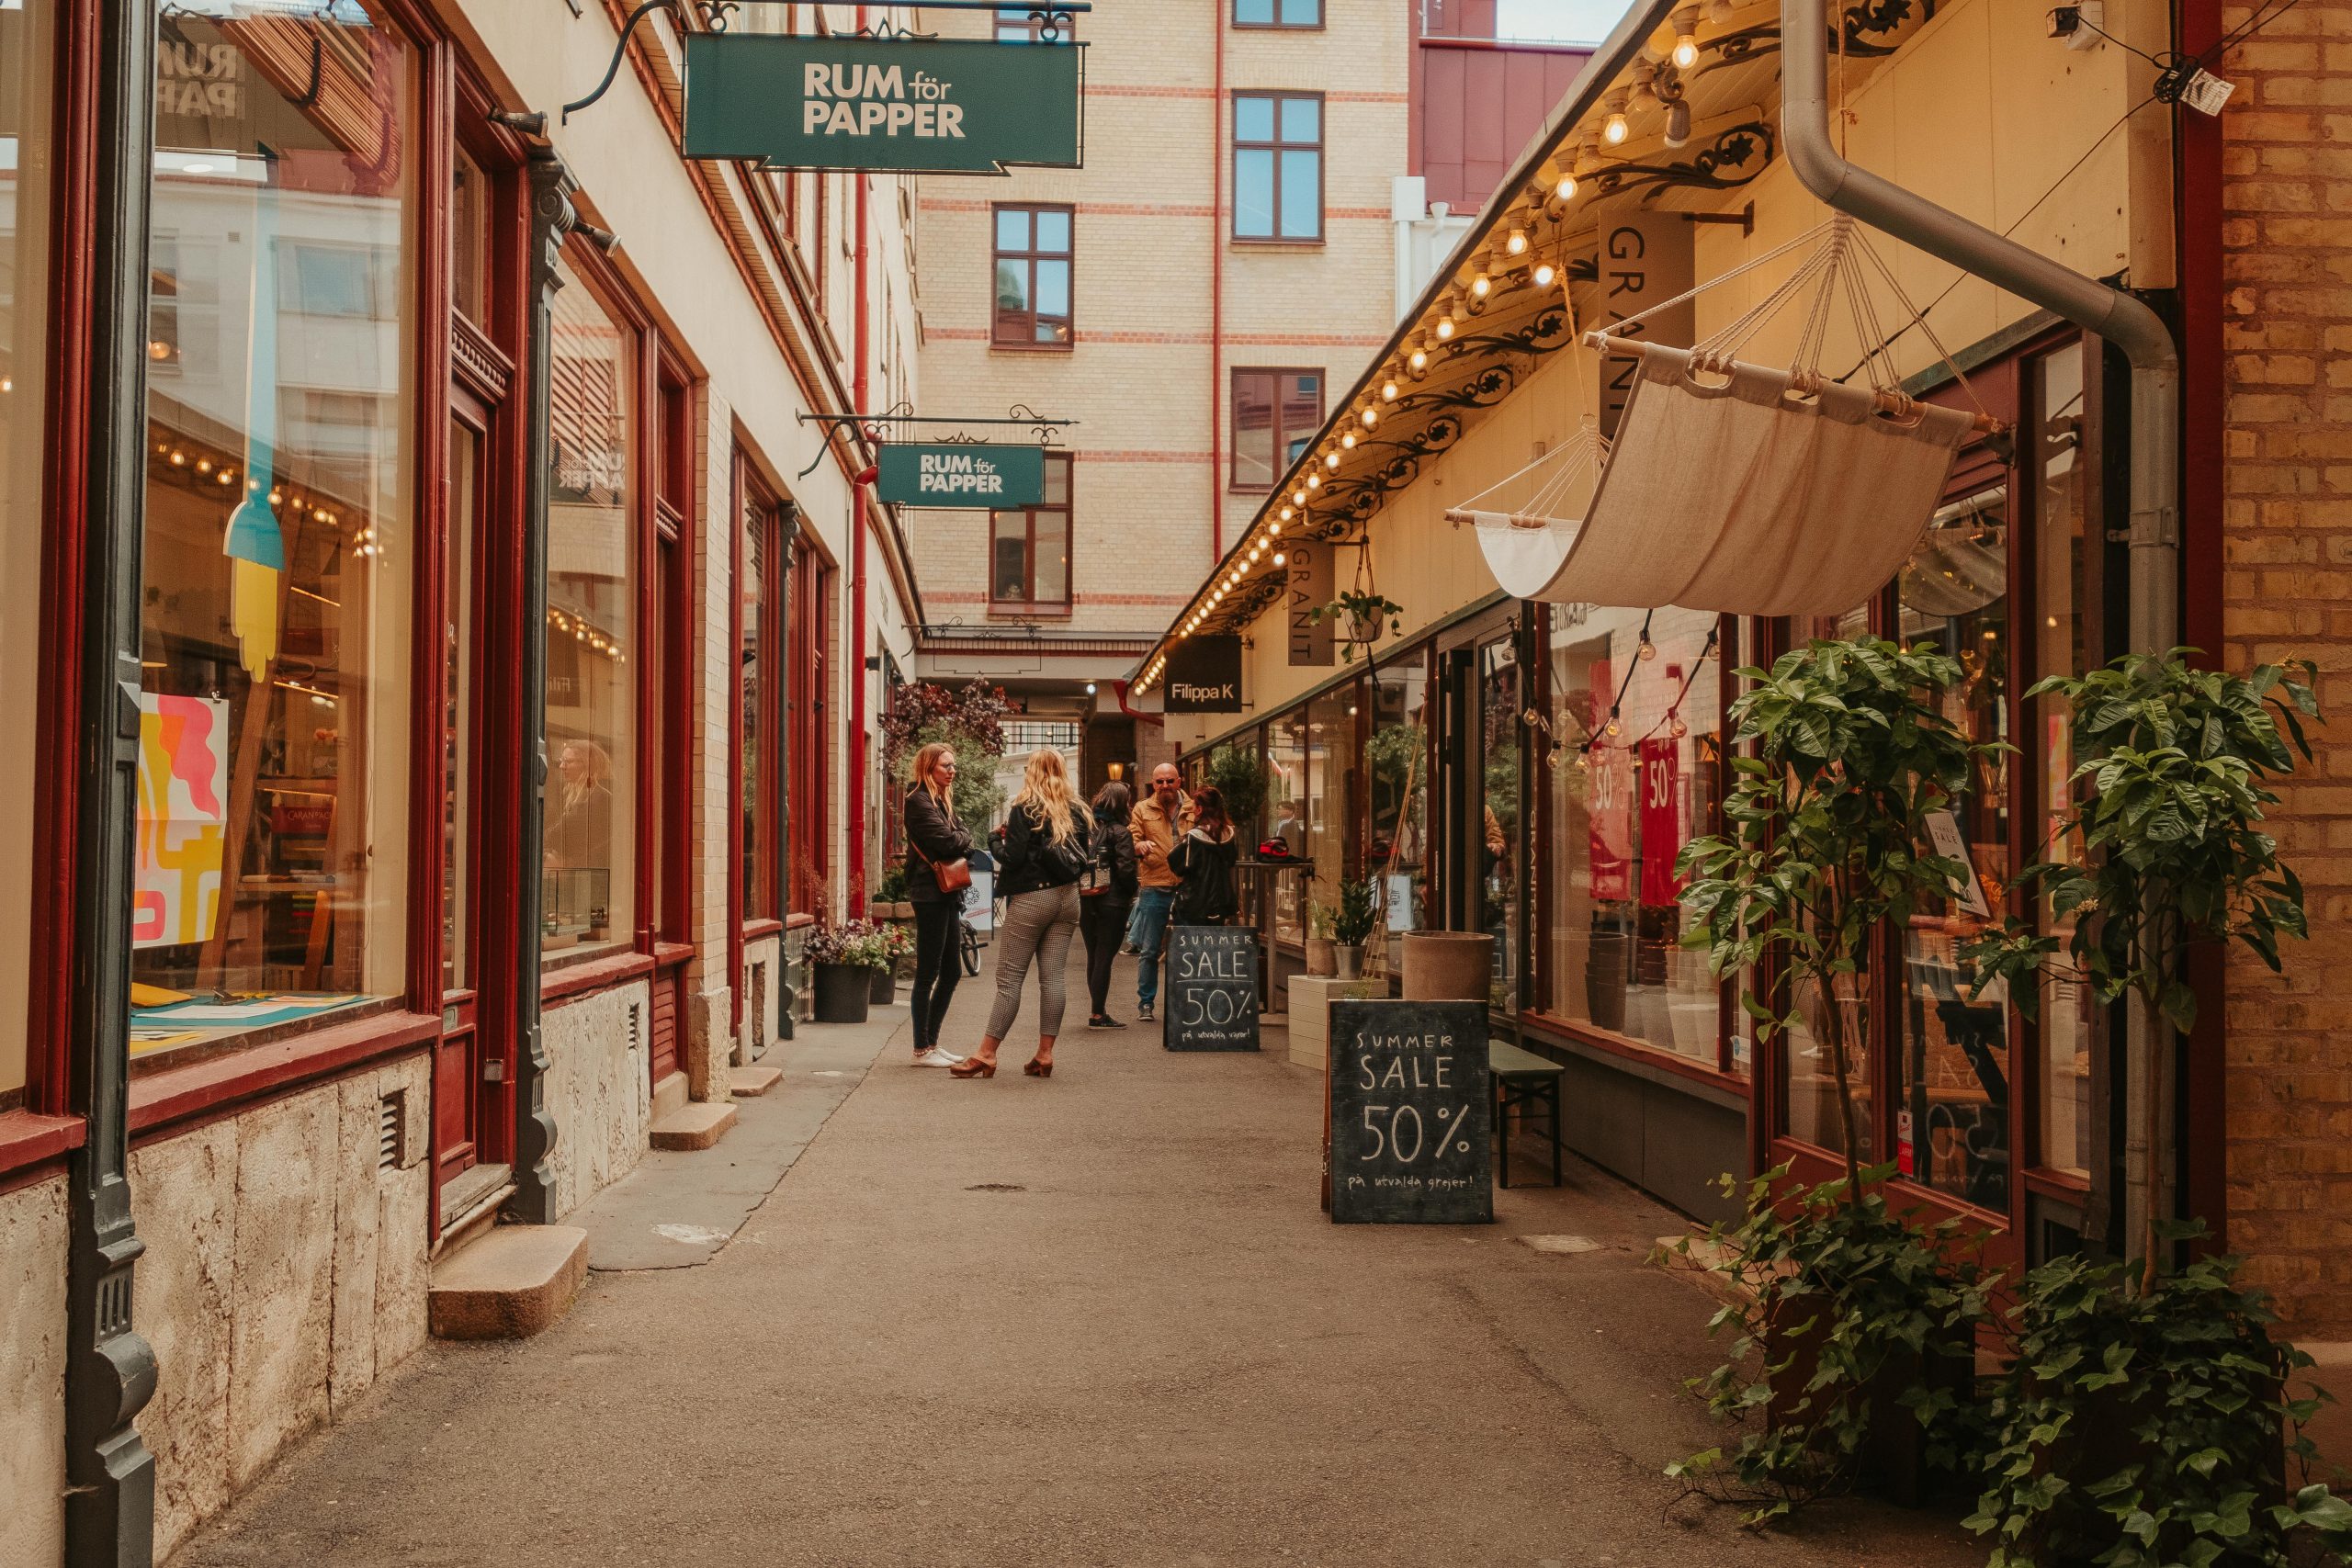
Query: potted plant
x=1848 y=754
x=876 y=948
x=889 y=900
x=842 y=981
x=1240 y=778
x=1319 y=960
x=1363 y=616
x=2148 y=1410
x=1357 y=917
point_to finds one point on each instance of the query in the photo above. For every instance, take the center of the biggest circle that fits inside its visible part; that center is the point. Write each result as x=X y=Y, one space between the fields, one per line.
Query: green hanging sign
x=909 y=106
x=961 y=473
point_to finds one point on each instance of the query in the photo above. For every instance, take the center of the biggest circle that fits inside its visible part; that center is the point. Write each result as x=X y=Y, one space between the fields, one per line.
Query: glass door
x=1493 y=831
x=464 y=1087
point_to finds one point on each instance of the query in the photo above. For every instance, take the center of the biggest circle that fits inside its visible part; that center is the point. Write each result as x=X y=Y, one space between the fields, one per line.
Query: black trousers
x=937 y=966
x=1102 y=922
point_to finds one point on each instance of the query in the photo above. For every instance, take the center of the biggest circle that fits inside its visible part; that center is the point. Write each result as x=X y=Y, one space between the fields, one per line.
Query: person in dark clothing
x=1044 y=856
x=934 y=839
x=1203 y=860
x=1103 y=908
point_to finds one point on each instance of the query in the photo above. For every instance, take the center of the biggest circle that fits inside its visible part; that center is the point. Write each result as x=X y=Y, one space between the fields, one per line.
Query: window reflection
x=1399 y=761
x=270 y=883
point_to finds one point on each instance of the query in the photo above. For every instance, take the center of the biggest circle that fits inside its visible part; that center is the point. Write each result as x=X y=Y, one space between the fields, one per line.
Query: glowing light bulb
x=1516 y=244
x=1371 y=418
x=1420 y=360
x=1276 y=528
x=1331 y=460
x=1566 y=190
x=1387 y=394
x=1347 y=440
x=1315 y=481
x=1481 y=286
x=1444 y=329
x=1543 y=275
x=1279 y=558
x=1614 y=727
x=1287 y=514
x=1616 y=129
x=1686 y=51
x=1647 y=652
x=1298 y=497
x=1676 y=729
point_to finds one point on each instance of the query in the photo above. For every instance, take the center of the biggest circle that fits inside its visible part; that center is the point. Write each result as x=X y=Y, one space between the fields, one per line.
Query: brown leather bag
x=952 y=877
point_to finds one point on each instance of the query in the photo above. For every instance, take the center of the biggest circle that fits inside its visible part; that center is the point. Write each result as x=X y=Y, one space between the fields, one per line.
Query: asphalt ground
x=1099 y=1319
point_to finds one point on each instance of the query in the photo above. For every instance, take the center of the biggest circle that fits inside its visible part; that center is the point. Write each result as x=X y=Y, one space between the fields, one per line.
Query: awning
x=1728 y=489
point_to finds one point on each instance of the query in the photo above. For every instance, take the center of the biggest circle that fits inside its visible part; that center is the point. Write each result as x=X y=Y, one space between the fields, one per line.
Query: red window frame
x=808 y=637
x=1276 y=400
x=1018 y=329
x=999 y=527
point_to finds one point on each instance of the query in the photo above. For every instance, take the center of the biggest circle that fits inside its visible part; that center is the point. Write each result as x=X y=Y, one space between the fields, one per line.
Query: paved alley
x=1094 y=1320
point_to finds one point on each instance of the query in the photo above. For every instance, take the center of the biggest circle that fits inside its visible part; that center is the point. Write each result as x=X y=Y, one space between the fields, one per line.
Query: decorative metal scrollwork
x=1737 y=155
x=1546 y=331
x=1490 y=386
x=1870 y=29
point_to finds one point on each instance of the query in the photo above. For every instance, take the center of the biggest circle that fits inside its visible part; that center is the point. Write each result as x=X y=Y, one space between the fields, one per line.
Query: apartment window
x=1277 y=166
x=1029 y=549
x=1277 y=13
x=1275 y=415
x=1018 y=24
x=1032 y=259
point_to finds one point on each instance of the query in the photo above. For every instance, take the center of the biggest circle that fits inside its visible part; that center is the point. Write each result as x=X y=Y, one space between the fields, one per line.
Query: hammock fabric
x=1731 y=492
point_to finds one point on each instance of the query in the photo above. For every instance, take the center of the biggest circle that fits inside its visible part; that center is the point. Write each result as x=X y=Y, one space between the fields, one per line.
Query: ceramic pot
x=1347 y=960
x=845 y=992
x=1448 y=967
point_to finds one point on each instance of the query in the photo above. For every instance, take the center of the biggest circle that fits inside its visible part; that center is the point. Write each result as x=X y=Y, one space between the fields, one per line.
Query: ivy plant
x=1846 y=754
x=2147 y=1429
x=2168 y=843
x=1366 y=612
x=1837 y=1305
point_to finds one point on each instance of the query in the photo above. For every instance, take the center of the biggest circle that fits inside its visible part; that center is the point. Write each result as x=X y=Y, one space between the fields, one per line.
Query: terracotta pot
x=845 y=992
x=1448 y=967
x=1319 y=955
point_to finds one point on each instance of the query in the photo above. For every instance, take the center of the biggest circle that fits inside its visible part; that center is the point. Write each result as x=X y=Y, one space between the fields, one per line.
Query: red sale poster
x=1613 y=803
x=1661 y=819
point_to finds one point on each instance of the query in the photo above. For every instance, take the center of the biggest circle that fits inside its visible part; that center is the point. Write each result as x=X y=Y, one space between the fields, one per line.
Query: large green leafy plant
x=1240 y=778
x=1846 y=754
x=968 y=718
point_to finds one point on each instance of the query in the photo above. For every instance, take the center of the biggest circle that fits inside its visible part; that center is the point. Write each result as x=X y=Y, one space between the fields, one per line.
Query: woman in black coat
x=933 y=838
x=1203 y=860
x=1102 y=908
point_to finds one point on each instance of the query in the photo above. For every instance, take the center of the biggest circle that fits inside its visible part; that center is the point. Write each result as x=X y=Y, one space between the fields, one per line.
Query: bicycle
x=968 y=942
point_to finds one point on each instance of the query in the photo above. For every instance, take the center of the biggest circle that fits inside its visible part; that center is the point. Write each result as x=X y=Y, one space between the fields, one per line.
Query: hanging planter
x=1363 y=612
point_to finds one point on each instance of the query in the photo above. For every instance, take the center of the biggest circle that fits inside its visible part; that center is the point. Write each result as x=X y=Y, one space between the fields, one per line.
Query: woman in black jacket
x=1045 y=855
x=1203 y=860
x=934 y=839
x=1103 y=908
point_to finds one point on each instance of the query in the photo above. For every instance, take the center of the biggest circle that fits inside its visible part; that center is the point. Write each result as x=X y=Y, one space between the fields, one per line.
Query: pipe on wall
x=2108 y=313
x=1216 y=288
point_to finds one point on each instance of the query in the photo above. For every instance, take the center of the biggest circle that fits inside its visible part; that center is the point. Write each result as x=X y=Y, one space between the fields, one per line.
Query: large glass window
x=763 y=632
x=1497 y=830
x=1029 y=549
x=28 y=68
x=271 y=881
x=1619 y=815
x=1032 y=275
x=1398 y=759
x=1286 y=803
x=1275 y=415
x=1334 y=764
x=1277 y=166
x=591 y=803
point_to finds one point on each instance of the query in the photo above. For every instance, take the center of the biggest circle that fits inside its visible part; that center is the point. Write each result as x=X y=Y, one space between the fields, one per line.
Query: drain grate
x=997 y=1186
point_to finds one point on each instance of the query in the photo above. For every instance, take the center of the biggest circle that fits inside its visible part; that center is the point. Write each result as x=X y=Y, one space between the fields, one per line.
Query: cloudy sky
x=1566 y=21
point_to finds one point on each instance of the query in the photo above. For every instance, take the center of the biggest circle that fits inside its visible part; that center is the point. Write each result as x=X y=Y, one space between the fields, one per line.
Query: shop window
x=1496 y=837
x=808 y=639
x=1033 y=277
x=270 y=886
x=1277 y=13
x=1335 y=783
x=1275 y=415
x=1611 y=957
x=593 y=657
x=28 y=71
x=1396 y=757
x=1278 y=166
x=763 y=618
x=470 y=194
x=1029 y=549
x=1287 y=802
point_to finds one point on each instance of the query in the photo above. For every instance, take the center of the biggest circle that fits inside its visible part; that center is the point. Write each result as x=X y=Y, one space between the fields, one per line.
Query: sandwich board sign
x=961 y=473
x=1412 y=1121
x=904 y=105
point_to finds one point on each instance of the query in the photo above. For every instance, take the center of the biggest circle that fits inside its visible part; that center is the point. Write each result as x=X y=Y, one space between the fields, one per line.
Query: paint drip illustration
x=255 y=546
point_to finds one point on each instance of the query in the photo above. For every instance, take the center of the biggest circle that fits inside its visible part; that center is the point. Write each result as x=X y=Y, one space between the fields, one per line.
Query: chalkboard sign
x=1212 y=988
x=1411 y=1113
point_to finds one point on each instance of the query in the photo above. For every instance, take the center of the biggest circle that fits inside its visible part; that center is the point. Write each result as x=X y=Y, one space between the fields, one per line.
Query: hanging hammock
x=1750 y=490
x=1525 y=546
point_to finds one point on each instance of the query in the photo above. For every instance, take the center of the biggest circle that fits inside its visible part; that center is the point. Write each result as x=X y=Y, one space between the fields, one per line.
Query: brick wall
x=2287 y=242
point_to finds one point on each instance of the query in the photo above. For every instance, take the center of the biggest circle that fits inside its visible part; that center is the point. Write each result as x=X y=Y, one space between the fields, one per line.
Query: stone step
x=749 y=1083
x=508 y=1284
x=695 y=1125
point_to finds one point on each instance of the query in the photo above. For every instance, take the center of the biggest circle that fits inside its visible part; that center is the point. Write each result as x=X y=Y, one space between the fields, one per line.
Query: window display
x=1620 y=816
x=1397 y=758
x=271 y=878
x=28 y=70
x=589 y=898
x=1286 y=807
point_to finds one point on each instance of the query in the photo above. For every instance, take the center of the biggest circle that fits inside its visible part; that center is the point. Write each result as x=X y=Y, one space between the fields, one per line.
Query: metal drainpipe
x=1216 y=289
x=2105 y=313
x=858 y=494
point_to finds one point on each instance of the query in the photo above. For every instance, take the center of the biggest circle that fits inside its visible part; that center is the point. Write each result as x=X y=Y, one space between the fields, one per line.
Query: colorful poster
x=1661 y=819
x=1613 y=799
x=183 y=808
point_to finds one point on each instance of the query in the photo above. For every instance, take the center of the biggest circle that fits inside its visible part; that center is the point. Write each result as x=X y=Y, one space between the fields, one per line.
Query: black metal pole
x=551 y=218
x=110 y=1371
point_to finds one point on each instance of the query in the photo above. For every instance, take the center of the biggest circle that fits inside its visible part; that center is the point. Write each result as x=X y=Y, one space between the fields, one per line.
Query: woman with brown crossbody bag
x=937 y=876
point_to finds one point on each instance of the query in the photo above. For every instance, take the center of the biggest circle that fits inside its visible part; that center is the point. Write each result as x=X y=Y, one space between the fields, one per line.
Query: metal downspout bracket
x=2108 y=313
x=109 y=1370
x=552 y=216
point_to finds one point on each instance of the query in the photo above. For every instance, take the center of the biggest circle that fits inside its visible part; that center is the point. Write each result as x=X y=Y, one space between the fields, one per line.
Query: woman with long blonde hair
x=1047 y=846
x=935 y=841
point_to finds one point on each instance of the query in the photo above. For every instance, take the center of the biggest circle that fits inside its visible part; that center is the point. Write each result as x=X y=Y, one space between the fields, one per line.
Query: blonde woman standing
x=934 y=839
x=1045 y=844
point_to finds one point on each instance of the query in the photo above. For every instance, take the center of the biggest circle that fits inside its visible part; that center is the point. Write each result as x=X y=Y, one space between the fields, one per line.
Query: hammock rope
x=1585 y=442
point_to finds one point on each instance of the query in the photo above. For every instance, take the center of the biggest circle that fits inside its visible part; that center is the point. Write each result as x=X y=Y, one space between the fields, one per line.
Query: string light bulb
x=1685 y=23
x=1614 y=129
x=1566 y=191
x=1544 y=273
x=1517 y=242
x=1649 y=651
x=1315 y=481
x=1331 y=460
x=1370 y=417
x=1480 y=287
x=1387 y=394
x=1347 y=440
x=1298 y=497
x=1279 y=558
x=1615 y=726
x=1419 y=361
x=1444 y=329
x=1276 y=528
x=1286 y=515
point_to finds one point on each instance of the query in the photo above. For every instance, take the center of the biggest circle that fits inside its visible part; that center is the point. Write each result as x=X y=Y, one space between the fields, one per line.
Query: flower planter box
x=845 y=992
x=885 y=987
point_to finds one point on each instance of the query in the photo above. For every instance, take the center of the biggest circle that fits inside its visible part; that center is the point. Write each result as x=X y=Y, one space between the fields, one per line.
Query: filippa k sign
x=954 y=473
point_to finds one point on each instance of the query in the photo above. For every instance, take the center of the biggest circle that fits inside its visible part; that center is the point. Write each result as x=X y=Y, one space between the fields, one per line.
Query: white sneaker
x=937 y=1056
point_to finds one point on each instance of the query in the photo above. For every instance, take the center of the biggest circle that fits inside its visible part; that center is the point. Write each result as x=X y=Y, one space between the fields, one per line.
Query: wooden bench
x=1523 y=1081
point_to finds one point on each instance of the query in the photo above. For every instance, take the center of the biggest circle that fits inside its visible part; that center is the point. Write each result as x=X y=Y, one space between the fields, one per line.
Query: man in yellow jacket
x=1164 y=816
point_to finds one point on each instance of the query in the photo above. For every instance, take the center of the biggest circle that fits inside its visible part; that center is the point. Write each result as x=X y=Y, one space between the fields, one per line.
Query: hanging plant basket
x=1364 y=626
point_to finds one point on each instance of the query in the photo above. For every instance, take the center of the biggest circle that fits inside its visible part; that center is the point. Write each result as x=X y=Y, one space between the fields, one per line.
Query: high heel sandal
x=972 y=1068
x=1037 y=1069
